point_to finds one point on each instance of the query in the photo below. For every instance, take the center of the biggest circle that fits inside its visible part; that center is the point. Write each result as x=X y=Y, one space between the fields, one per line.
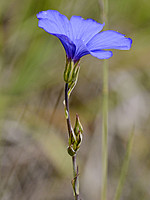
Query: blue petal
x=69 y=46
x=81 y=50
x=101 y=54
x=58 y=25
x=55 y=23
x=67 y=43
x=109 y=40
x=84 y=29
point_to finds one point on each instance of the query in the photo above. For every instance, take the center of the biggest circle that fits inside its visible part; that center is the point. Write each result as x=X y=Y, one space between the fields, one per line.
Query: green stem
x=105 y=131
x=75 y=167
x=105 y=114
x=76 y=178
x=105 y=13
x=67 y=108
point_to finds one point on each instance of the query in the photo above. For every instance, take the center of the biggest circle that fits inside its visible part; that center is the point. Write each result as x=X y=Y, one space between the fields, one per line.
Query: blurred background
x=34 y=163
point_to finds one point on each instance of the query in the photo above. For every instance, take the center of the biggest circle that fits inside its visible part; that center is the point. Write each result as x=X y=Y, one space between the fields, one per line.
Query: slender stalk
x=105 y=131
x=105 y=114
x=75 y=167
x=105 y=13
x=67 y=108
x=76 y=178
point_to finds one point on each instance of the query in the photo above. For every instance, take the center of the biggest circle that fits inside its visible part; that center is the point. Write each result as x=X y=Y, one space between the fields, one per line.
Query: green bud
x=79 y=140
x=72 y=137
x=78 y=126
x=71 y=151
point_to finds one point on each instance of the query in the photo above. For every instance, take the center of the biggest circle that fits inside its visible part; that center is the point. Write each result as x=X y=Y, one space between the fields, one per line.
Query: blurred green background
x=34 y=163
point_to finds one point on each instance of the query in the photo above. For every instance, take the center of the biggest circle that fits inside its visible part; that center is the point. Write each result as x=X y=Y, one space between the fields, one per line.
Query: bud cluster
x=75 y=137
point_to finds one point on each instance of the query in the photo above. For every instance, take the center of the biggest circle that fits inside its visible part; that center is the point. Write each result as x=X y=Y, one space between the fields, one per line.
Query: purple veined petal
x=101 y=54
x=81 y=50
x=84 y=29
x=52 y=28
x=54 y=22
x=109 y=40
x=69 y=46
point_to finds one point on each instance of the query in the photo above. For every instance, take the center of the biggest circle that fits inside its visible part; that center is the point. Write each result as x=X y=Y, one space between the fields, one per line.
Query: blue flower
x=81 y=37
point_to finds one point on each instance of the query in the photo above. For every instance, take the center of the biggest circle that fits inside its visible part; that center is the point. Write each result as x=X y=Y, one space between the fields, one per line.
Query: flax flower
x=81 y=37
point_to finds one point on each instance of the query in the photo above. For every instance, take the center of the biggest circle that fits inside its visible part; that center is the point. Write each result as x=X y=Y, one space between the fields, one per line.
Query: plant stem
x=105 y=114
x=76 y=178
x=105 y=13
x=75 y=167
x=67 y=108
x=105 y=131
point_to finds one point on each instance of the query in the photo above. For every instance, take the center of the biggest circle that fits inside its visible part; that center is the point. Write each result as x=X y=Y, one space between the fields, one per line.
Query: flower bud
x=78 y=126
x=79 y=139
x=71 y=151
x=72 y=137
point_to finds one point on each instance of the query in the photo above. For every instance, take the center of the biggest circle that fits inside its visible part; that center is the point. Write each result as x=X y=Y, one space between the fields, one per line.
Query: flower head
x=81 y=37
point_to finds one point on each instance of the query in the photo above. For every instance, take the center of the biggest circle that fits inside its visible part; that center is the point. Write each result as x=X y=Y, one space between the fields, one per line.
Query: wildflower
x=81 y=37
